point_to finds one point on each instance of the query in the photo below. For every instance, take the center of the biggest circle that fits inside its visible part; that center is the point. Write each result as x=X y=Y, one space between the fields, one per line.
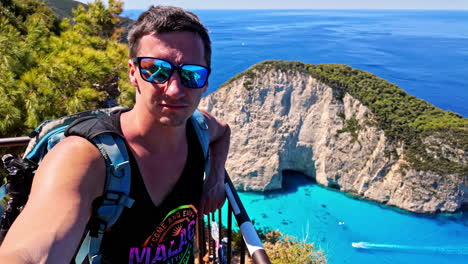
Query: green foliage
x=281 y=249
x=248 y=84
x=290 y=250
x=16 y=12
x=98 y=20
x=352 y=126
x=263 y=67
x=266 y=234
x=50 y=68
x=341 y=115
x=237 y=240
x=338 y=94
x=272 y=236
x=403 y=117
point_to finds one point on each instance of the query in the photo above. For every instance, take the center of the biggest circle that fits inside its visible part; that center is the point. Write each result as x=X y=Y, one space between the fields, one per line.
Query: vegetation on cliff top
x=403 y=117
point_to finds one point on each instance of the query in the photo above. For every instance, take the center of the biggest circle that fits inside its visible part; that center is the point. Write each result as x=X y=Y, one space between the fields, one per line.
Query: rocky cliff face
x=288 y=120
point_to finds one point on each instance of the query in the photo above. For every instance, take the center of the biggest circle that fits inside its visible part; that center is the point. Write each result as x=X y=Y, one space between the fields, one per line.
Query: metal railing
x=13 y=142
x=208 y=245
x=213 y=247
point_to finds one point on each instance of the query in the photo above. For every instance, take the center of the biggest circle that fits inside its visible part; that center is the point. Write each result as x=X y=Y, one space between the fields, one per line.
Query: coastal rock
x=288 y=120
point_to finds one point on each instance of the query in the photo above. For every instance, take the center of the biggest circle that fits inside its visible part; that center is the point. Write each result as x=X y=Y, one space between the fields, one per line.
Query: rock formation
x=285 y=119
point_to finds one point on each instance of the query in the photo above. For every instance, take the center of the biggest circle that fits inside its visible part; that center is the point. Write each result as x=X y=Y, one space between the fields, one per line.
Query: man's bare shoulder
x=73 y=161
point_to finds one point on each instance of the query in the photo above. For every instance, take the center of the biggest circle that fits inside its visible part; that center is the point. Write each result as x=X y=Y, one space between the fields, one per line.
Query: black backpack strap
x=110 y=143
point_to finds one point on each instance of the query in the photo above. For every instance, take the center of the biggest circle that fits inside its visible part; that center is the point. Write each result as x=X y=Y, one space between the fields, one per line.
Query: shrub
x=292 y=251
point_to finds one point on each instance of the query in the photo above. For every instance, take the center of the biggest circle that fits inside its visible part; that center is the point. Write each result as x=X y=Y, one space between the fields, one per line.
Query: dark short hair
x=164 y=19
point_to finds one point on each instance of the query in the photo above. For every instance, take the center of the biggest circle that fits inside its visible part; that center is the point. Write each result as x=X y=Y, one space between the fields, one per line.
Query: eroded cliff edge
x=345 y=128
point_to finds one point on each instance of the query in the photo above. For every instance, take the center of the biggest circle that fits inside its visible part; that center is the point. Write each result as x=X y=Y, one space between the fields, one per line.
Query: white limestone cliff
x=291 y=121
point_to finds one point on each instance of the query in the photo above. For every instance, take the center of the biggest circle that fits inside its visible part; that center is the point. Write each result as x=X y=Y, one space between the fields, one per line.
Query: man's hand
x=214 y=195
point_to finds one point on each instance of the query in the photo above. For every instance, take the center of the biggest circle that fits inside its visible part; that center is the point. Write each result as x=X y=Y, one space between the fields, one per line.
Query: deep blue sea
x=423 y=52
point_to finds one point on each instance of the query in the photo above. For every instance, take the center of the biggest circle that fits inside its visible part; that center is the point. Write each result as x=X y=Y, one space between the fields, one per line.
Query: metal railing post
x=252 y=241
x=209 y=237
x=213 y=242
x=13 y=142
x=229 y=234
x=242 y=253
x=201 y=246
x=205 y=252
x=220 y=226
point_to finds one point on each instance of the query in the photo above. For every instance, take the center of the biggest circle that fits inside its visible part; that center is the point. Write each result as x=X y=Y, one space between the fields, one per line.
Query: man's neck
x=150 y=135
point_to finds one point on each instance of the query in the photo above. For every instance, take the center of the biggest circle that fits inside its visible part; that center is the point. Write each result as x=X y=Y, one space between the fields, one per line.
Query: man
x=170 y=54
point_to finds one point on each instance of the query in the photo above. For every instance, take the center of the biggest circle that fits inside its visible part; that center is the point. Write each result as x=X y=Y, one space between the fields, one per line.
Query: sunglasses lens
x=194 y=76
x=154 y=70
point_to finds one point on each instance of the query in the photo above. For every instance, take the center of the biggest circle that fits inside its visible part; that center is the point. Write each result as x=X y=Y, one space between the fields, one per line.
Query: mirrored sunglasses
x=159 y=71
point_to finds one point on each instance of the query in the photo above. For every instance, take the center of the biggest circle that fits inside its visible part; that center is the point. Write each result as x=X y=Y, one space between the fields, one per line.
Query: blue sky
x=300 y=4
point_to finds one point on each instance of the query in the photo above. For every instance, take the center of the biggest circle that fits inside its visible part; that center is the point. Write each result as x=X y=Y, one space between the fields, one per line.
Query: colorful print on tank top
x=171 y=241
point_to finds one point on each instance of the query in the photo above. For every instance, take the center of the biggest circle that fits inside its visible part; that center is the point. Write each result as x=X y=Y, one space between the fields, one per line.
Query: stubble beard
x=171 y=121
x=174 y=118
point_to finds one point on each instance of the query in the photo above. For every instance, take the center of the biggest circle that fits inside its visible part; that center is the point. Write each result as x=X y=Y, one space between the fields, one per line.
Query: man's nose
x=175 y=88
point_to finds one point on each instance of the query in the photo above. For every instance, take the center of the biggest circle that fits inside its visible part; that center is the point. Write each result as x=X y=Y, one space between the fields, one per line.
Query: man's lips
x=174 y=106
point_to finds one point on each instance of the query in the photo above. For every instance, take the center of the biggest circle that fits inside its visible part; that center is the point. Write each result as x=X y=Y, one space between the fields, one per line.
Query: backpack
x=118 y=174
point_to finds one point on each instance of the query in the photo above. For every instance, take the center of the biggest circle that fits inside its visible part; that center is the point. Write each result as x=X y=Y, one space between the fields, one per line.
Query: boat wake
x=459 y=250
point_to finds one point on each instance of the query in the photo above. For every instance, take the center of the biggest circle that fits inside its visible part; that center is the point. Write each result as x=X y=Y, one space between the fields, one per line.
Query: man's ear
x=132 y=73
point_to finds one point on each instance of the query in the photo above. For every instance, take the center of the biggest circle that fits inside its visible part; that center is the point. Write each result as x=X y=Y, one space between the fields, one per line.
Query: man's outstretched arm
x=53 y=221
x=213 y=191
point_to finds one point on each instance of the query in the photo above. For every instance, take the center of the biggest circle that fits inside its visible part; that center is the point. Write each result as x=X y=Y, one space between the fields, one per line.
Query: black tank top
x=147 y=233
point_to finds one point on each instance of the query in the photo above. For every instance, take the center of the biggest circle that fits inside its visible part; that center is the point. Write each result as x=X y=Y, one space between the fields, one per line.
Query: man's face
x=170 y=103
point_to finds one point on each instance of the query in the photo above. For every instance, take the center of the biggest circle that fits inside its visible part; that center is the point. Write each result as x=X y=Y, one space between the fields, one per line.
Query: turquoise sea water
x=423 y=52
x=333 y=221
